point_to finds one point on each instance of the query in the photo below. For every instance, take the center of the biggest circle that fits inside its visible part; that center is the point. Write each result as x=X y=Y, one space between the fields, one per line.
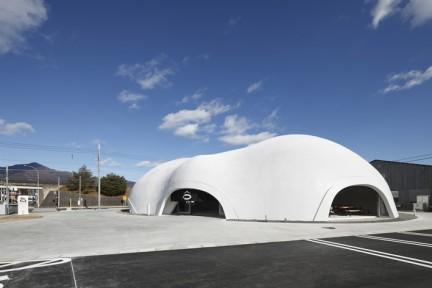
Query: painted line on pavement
x=399 y=241
x=3 y=278
x=38 y=264
x=73 y=273
x=395 y=257
x=415 y=233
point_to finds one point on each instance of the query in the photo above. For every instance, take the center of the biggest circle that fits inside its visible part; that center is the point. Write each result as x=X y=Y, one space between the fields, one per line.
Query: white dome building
x=286 y=178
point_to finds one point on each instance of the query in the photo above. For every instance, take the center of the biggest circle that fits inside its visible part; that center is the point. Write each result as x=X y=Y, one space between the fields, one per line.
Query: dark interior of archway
x=358 y=200
x=196 y=202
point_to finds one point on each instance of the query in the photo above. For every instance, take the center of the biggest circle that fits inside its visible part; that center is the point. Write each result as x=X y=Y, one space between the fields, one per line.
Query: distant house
x=406 y=180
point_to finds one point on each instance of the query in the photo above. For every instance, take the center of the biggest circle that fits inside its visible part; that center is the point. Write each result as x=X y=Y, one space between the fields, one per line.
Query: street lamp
x=37 y=173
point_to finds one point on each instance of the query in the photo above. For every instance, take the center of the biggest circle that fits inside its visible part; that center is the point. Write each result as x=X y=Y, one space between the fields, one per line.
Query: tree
x=88 y=183
x=113 y=185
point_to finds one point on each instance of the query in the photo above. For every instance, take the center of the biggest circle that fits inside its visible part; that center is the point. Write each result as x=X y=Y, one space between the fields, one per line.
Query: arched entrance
x=195 y=202
x=358 y=200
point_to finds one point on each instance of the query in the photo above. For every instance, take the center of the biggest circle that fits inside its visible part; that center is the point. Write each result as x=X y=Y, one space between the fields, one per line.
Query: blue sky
x=157 y=80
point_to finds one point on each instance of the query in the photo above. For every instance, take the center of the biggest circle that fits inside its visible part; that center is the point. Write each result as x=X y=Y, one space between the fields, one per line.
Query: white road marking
x=73 y=273
x=416 y=234
x=38 y=264
x=8 y=264
x=3 y=278
x=400 y=258
x=400 y=241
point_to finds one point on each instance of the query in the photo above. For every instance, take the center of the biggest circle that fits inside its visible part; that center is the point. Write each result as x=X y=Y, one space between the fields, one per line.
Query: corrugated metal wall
x=407 y=178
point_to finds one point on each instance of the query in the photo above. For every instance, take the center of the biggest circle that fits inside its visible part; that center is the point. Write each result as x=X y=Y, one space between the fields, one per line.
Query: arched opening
x=194 y=202
x=358 y=201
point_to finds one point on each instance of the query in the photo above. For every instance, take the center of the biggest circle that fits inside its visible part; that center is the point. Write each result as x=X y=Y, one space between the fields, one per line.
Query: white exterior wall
x=292 y=177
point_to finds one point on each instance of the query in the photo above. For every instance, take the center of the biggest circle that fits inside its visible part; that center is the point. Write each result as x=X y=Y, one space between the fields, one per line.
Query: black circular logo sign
x=187 y=196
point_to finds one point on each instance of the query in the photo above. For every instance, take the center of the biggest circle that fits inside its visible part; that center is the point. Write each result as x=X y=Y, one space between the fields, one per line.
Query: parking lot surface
x=378 y=260
x=62 y=234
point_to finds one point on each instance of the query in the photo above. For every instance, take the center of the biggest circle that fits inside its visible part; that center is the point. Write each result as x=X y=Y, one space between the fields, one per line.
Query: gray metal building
x=406 y=180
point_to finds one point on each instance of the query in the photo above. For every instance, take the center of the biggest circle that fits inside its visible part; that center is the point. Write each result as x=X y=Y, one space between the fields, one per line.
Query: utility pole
x=98 y=168
x=7 y=190
x=38 y=191
x=58 y=192
x=79 y=191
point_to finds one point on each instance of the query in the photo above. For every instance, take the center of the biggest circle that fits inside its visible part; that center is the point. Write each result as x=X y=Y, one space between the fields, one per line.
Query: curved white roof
x=292 y=177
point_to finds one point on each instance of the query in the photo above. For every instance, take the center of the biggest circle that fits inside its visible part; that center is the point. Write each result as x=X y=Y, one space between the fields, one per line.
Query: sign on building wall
x=187 y=196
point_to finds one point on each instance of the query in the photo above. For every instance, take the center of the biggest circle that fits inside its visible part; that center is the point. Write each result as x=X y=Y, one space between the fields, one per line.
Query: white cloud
x=202 y=114
x=109 y=162
x=236 y=125
x=150 y=75
x=155 y=79
x=246 y=139
x=17 y=17
x=254 y=87
x=182 y=117
x=417 y=12
x=269 y=122
x=189 y=122
x=236 y=131
x=202 y=57
x=383 y=9
x=188 y=130
x=408 y=80
x=197 y=124
x=148 y=163
x=8 y=128
x=215 y=107
x=130 y=98
x=198 y=94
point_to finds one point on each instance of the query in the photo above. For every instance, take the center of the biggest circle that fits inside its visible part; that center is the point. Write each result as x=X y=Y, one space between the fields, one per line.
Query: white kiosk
x=23 y=206
x=3 y=208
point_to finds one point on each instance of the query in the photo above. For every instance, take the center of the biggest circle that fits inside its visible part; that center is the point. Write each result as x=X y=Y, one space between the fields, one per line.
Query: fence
x=67 y=198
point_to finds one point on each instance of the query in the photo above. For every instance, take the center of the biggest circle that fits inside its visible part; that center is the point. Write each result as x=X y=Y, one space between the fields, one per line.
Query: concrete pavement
x=109 y=231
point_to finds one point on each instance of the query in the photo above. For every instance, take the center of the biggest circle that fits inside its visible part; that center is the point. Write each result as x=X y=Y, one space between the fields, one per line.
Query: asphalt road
x=382 y=260
x=425 y=231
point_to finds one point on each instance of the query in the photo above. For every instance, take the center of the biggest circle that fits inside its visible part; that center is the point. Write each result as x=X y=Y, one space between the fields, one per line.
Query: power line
x=51 y=148
x=2 y=168
x=420 y=159
x=52 y=170
x=412 y=158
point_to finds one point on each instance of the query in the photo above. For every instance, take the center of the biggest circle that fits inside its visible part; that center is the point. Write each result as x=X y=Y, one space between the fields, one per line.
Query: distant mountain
x=23 y=173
